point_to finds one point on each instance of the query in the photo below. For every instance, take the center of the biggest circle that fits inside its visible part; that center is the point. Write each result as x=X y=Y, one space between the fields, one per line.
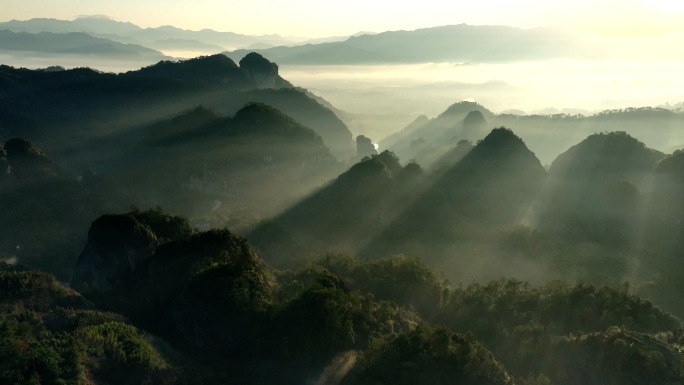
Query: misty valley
x=210 y=221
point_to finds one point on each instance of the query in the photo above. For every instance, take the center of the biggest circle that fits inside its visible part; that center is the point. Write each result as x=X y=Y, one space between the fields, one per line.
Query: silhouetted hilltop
x=474 y=126
x=183 y=127
x=505 y=170
x=203 y=164
x=427 y=141
x=309 y=112
x=492 y=187
x=259 y=118
x=662 y=232
x=615 y=155
x=101 y=111
x=261 y=71
x=215 y=68
x=548 y=135
x=594 y=191
x=665 y=206
x=551 y=135
x=344 y=215
x=672 y=164
x=435 y=356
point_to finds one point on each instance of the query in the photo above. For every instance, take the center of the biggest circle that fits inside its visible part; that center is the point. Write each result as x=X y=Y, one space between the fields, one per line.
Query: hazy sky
x=317 y=18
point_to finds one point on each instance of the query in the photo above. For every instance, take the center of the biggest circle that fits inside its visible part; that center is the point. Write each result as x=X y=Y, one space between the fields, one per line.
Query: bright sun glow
x=668 y=5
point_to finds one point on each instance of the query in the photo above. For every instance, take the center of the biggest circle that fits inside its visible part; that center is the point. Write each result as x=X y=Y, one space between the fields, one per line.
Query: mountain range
x=456 y=43
x=294 y=257
x=101 y=104
x=426 y=139
x=155 y=38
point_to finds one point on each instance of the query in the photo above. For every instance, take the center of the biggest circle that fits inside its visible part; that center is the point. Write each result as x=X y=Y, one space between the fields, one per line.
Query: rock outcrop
x=116 y=247
x=263 y=73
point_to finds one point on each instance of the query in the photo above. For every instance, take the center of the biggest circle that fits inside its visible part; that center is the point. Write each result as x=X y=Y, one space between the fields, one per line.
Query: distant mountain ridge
x=125 y=32
x=75 y=43
x=453 y=43
x=547 y=135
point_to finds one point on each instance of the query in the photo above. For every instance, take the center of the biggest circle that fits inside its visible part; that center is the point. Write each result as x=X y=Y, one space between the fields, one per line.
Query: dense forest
x=205 y=221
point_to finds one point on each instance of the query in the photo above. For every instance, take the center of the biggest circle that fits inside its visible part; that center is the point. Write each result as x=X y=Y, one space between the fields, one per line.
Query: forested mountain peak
x=613 y=152
x=673 y=164
x=265 y=116
x=491 y=187
x=254 y=71
x=501 y=151
x=464 y=107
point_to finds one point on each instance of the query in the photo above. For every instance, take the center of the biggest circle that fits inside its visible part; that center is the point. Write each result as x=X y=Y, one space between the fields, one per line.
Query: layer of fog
x=383 y=99
x=36 y=60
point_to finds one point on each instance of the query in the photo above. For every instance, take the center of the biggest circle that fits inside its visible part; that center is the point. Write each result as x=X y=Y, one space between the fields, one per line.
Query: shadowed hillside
x=491 y=188
x=104 y=110
x=344 y=215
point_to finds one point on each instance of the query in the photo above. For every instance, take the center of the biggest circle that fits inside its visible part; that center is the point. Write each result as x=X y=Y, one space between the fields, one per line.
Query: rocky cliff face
x=116 y=247
x=205 y=290
x=263 y=73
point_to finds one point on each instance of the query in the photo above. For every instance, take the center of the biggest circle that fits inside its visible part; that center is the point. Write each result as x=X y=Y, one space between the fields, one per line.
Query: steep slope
x=309 y=112
x=102 y=112
x=426 y=141
x=491 y=188
x=344 y=215
x=392 y=139
x=43 y=210
x=200 y=163
x=662 y=232
x=594 y=190
x=666 y=208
